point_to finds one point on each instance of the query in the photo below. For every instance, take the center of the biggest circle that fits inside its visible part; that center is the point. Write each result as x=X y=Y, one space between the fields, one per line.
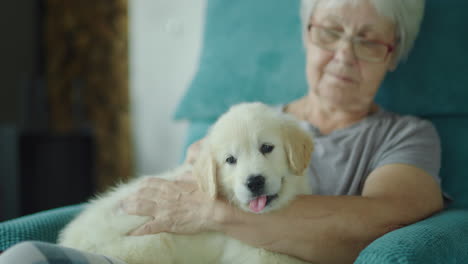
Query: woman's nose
x=345 y=52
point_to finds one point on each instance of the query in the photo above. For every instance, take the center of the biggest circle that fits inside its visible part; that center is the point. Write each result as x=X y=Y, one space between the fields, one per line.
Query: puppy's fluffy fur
x=242 y=134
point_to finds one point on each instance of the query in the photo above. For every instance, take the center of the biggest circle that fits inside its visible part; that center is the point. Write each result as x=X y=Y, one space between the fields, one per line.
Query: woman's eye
x=331 y=34
x=369 y=43
x=265 y=148
x=231 y=160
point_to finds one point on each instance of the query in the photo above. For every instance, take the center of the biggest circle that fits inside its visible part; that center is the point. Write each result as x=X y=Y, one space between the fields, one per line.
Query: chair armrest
x=442 y=238
x=43 y=226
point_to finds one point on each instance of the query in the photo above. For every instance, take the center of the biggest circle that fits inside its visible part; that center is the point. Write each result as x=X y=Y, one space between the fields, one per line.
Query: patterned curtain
x=86 y=47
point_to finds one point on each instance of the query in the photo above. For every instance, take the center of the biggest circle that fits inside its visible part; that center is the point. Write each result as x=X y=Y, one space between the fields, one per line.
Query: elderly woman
x=373 y=171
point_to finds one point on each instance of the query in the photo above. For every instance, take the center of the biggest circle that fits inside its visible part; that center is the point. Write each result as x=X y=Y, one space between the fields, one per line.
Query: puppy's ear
x=205 y=170
x=298 y=146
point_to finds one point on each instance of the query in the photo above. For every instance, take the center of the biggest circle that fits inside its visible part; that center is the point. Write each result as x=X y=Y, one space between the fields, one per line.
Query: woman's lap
x=36 y=252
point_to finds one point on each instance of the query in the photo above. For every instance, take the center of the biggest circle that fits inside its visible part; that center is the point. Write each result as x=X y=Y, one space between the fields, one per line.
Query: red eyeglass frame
x=390 y=47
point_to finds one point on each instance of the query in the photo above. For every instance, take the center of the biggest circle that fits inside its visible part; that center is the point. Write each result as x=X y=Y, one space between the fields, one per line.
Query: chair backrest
x=252 y=51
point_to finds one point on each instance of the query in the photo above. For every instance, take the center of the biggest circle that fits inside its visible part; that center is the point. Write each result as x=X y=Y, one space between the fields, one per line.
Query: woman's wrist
x=220 y=215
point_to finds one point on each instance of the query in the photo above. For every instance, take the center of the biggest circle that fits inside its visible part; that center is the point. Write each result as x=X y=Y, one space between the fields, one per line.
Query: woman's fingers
x=155 y=194
x=193 y=151
x=186 y=176
x=176 y=206
x=150 y=193
x=151 y=227
x=141 y=207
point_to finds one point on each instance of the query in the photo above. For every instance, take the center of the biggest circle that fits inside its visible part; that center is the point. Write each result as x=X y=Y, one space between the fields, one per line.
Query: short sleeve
x=412 y=141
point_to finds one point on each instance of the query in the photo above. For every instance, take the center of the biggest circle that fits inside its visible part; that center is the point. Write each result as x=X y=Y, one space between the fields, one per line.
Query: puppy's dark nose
x=256 y=184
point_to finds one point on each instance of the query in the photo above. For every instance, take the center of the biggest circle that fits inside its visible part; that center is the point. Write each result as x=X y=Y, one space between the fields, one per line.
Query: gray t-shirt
x=343 y=159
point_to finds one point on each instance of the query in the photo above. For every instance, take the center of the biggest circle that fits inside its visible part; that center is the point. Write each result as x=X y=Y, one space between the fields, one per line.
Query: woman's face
x=339 y=78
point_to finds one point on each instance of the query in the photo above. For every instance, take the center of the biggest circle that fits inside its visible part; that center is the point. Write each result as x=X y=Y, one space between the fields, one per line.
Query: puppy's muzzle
x=256 y=184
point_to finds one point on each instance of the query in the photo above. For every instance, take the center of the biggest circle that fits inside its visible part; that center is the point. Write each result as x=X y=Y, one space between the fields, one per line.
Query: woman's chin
x=344 y=102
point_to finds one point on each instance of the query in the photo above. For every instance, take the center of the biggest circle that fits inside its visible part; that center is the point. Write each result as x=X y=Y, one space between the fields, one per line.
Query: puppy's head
x=255 y=157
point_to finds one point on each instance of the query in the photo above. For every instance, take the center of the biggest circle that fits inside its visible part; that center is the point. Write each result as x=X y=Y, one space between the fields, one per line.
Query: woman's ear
x=298 y=147
x=205 y=171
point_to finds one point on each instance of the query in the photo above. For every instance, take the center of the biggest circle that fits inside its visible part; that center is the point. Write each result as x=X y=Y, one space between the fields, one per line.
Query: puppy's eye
x=265 y=148
x=231 y=160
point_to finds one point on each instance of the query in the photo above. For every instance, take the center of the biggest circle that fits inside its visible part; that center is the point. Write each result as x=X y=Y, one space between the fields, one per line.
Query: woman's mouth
x=343 y=78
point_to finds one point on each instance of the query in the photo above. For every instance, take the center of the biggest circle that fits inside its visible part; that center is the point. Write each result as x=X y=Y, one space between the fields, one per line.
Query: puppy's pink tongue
x=258 y=203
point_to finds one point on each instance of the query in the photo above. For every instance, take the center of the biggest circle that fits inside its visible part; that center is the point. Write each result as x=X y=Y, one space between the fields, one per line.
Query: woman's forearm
x=324 y=229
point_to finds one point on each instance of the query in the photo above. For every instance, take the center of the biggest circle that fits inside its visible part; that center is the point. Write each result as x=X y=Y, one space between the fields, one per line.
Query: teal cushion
x=434 y=80
x=442 y=238
x=252 y=51
x=43 y=226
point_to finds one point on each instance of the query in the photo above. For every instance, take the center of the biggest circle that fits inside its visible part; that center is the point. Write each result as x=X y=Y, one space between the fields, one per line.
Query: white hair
x=407 y=16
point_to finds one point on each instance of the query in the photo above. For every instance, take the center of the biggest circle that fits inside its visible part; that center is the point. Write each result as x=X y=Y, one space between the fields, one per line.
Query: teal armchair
x=252 y=51
x=43 y=226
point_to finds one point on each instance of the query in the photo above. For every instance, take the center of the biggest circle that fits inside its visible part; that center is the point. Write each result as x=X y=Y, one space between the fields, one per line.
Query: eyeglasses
x=368 y=50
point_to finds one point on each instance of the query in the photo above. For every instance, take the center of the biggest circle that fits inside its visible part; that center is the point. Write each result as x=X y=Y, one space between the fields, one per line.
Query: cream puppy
x=253 y=156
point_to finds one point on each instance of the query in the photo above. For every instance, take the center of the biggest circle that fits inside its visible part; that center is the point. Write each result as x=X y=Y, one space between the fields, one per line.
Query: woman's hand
x=193 y=151
x=176 y=207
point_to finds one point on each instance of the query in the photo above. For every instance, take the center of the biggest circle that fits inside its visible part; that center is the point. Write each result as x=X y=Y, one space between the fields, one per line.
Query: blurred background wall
x=69 y=91
x=165 y=41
